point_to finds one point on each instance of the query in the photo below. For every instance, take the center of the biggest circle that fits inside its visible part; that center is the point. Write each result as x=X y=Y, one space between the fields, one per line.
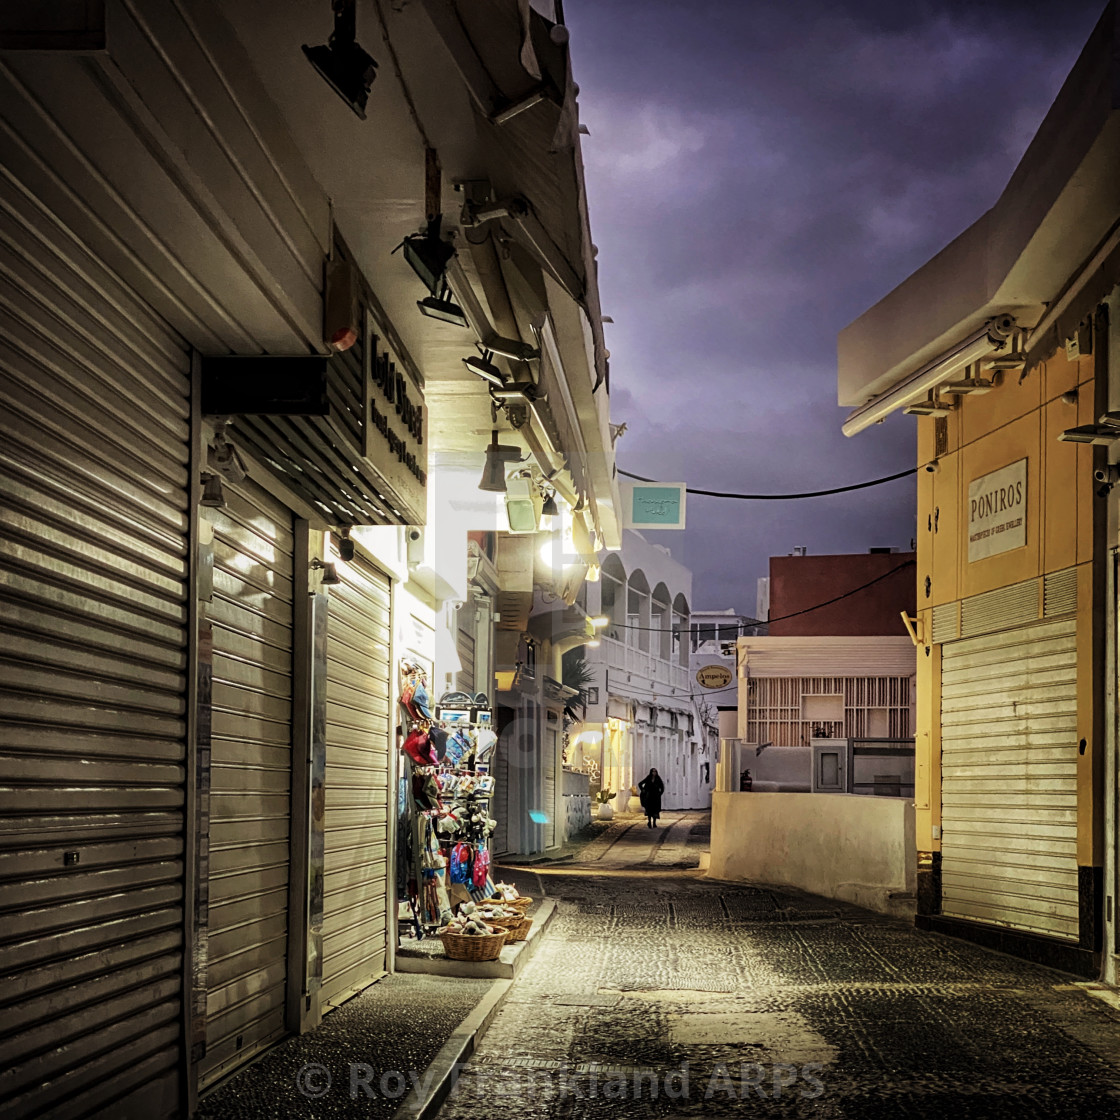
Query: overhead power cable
x=780 y=618
x=781 y=497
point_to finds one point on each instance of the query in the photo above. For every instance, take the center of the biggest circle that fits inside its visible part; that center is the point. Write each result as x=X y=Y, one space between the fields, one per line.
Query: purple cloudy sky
x=759 y=174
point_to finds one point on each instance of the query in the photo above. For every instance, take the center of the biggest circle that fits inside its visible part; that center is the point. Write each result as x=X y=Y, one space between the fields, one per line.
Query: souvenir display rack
x=444 y=826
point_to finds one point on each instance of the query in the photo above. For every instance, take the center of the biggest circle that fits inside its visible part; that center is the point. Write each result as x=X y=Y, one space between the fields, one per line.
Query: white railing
x=648 y=666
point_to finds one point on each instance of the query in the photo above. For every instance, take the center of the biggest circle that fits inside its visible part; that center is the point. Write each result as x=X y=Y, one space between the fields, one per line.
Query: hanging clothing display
x=444 y=826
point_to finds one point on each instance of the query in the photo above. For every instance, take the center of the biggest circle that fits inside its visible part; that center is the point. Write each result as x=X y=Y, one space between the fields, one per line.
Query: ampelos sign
x=997 y=511
x=713 y=676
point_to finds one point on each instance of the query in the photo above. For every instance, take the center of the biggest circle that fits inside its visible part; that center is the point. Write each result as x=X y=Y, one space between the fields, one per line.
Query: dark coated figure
x=650 y=789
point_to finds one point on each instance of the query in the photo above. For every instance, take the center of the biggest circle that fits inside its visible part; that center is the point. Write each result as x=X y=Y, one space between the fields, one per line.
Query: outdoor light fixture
x=974 y=385
x=497 y=455
x=523 y=505
x=330 y=572
x=212 y=493
x=599 y=621
x=1104 y=432
x=427 y=255
x=346 y=547
x=592 y=643
x=993 y=335
x=348 y=69
x=927 y=408
x=442 y=309
x=485 y=369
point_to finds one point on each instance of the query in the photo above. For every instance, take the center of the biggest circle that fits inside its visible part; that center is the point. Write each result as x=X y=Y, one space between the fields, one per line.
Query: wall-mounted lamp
x=212 y=493
x=330 y=572
x=348 y=69
x=523 y=505
x=969 y=385
x=494 y=472
x=928 y=407
x=599 y=621
x=1104 y=432
x=484 y=368
x=443 y=310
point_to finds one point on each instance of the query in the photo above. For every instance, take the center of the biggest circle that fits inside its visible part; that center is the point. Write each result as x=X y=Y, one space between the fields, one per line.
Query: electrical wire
x=782 y=497
x=780 y=618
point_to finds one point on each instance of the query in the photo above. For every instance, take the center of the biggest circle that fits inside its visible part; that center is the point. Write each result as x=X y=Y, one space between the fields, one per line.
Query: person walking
x=650 y=789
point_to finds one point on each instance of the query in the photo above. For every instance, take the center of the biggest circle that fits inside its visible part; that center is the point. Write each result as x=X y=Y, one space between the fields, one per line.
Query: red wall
x=800 y=582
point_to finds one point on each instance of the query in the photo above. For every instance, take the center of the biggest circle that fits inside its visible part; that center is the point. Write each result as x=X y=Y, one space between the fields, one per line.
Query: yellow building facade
x=1004 y=346
x=1011 y=733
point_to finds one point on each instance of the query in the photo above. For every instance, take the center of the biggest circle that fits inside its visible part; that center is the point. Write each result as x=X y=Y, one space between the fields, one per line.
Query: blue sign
x=653 y=505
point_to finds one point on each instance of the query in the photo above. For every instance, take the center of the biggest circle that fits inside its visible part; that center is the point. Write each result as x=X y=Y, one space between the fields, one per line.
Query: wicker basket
x=523 y=903
x=473 y=947
x=521 y=931
x=509 y=924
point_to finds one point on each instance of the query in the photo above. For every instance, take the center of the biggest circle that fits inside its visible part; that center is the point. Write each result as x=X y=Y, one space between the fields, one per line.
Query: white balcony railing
x=645 y=666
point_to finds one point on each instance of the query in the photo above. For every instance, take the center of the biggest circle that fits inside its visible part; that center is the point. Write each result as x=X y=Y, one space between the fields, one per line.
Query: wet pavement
x=658 y=993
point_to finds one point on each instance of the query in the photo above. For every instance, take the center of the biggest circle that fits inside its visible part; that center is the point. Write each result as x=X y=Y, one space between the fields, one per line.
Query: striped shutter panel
x=551 y=760
x=355 y=883
x=465 y=644
x=94 y=506
x=1009 y=779
x=500 y=802
x=250 y=778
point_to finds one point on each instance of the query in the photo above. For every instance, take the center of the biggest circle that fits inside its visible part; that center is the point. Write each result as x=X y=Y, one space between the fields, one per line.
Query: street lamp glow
x=599 y=621
x=593 y=644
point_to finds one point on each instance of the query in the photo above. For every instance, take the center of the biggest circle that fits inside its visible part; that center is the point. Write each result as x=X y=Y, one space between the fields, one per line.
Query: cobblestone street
x=660 y=993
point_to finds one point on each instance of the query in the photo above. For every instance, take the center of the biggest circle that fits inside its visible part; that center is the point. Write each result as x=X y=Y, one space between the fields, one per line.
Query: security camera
x=1109 y=475
x=933 y=466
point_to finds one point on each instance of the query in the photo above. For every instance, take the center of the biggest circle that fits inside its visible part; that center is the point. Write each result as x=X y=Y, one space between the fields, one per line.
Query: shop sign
x=713 y=676
x=653 y=505
x=997 y=511
x=395 y=426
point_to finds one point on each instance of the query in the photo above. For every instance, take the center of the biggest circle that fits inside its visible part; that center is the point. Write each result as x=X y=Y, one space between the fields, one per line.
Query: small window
x=822 y=708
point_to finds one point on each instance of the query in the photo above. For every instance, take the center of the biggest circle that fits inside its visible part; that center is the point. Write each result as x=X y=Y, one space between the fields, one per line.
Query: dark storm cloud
x=759 y=175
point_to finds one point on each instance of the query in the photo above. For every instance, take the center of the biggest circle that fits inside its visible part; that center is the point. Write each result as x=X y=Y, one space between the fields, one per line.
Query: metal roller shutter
x=250 y=777
x=465 y=644
x=355 y=883
x=94 y=466
x=500 y=802
x=551 y=752
x=1009 y=779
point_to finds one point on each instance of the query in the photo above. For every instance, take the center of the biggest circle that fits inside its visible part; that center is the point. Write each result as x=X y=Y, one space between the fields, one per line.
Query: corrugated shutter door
x=355 y=885
x=465 y=644
x=1009 y=779
x=94 y=460
x=250 y=782
x=551 y=749
x=499 y=803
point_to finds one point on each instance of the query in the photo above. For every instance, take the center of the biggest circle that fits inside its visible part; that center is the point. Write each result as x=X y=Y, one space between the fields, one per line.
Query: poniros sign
x=713 y=676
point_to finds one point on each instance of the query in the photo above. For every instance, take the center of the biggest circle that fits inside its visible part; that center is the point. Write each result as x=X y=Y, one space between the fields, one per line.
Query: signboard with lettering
x=713 y=676
x=997 y=511
x=395 y=426
x=653 y=505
